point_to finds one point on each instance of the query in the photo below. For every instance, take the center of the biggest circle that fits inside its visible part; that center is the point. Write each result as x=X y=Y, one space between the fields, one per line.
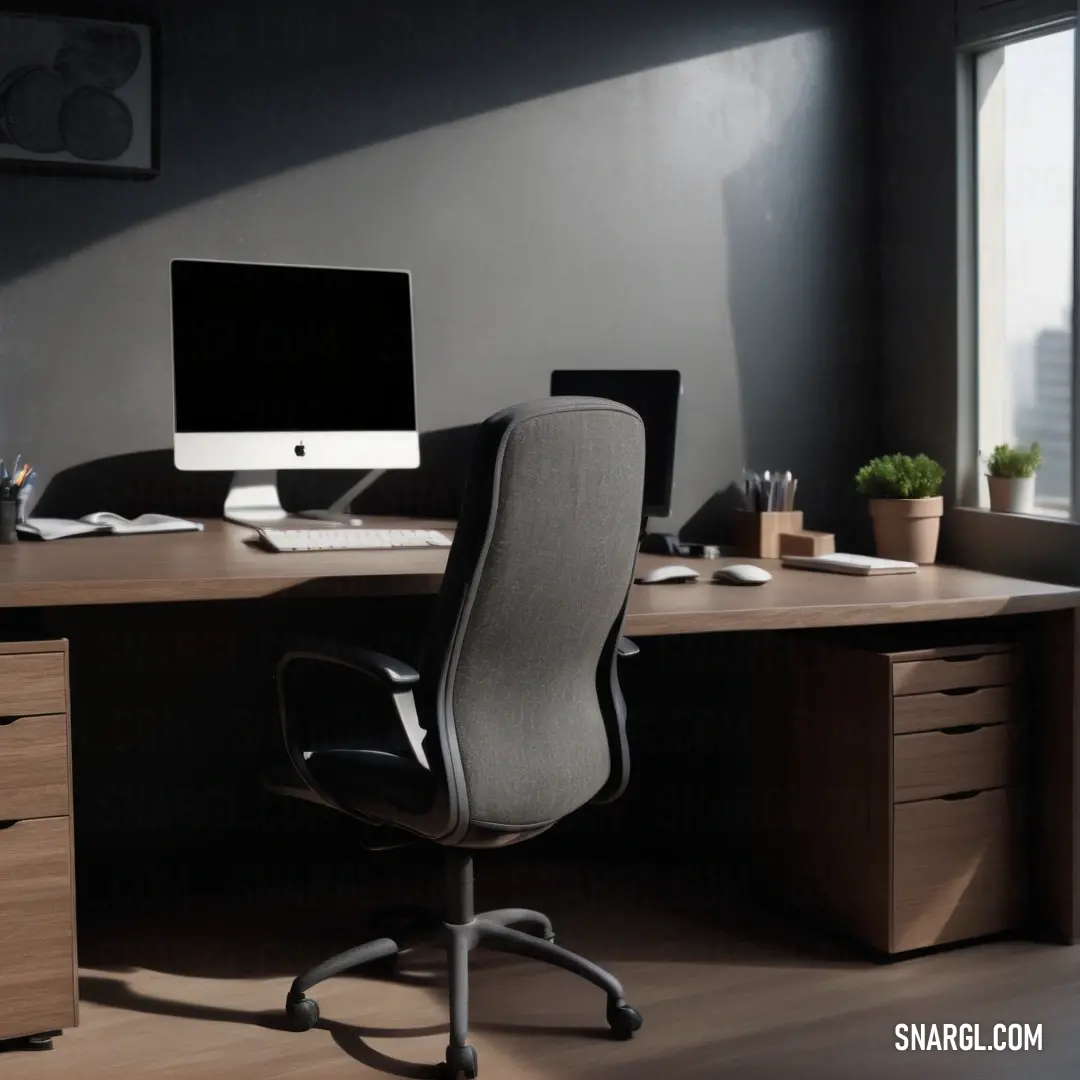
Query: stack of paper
x=861 y=565
x=104 y=523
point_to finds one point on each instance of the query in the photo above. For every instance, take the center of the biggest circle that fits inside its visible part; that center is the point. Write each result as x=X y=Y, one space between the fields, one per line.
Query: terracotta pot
x=907 y=529
x=1012 y=495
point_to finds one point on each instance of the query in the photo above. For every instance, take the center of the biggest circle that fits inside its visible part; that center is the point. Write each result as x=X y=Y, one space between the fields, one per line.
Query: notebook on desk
x=103 y=523
x=858 y=565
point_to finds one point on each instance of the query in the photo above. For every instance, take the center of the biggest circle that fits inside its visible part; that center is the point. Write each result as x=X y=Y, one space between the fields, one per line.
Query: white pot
x=1012 y=496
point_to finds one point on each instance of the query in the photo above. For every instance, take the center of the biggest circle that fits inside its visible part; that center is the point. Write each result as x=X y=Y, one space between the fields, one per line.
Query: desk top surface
x=222 y=564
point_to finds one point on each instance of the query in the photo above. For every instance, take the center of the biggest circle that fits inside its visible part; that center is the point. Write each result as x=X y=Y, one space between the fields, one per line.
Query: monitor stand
x=338 y=514
x=657 y=543
x=253 y=499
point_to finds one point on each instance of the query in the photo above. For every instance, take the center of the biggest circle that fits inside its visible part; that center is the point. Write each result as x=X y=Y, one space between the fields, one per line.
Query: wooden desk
x=802 y=600
x=220 y=564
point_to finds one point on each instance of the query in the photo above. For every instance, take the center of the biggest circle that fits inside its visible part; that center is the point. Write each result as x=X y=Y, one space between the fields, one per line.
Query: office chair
x=516 y=718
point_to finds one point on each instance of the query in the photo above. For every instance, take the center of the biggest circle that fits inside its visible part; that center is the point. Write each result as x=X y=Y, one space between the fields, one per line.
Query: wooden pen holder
x=757 y=536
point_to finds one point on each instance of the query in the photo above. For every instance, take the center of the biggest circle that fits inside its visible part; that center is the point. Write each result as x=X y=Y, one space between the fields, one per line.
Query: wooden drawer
x=953 y=672
x=935 y=763
x=34 y=767
x=32 y=683
x=37 y=936
x=958 y=868
x=957 y=708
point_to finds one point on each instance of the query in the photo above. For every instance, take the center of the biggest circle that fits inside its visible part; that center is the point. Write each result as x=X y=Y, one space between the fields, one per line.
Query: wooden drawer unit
x=34 y=771
x=32 y=683
x=958 y=868
x=895 y=814
x=952 y=669
x=953 y=708
x=957 y=761
x=37 y=933
x=38 y=976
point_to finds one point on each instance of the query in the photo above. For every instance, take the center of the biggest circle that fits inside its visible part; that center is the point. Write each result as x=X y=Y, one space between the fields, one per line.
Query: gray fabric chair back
x=518 y=680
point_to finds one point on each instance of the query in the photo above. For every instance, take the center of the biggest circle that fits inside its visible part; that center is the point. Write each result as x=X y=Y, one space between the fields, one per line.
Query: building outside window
x=1025 y=205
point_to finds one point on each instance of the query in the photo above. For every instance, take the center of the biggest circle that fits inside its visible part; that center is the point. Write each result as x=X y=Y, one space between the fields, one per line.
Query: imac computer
x=654 y=396
x=290 y=367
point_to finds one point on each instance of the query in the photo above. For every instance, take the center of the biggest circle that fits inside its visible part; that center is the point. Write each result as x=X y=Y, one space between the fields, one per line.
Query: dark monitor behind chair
x=654 y=396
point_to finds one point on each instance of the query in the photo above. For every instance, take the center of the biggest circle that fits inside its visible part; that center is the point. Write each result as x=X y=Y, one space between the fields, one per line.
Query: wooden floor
x=196 y=995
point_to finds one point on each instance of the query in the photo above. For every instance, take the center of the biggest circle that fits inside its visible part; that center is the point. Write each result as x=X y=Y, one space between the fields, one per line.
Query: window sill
x=1052 y=517
x=1013 y=545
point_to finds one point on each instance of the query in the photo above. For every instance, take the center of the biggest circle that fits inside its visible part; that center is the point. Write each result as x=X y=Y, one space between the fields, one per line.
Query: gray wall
x=927 y=323
x=572 y=184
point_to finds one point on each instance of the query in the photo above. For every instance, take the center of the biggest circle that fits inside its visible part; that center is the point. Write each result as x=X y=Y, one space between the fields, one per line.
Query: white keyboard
x=351 y=539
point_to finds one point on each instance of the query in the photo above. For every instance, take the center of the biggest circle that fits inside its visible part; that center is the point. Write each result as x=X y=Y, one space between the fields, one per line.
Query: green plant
x=1014 y=462
x=898 y=476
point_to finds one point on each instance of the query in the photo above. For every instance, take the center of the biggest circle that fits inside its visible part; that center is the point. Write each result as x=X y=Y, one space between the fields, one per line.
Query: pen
x=769 y=491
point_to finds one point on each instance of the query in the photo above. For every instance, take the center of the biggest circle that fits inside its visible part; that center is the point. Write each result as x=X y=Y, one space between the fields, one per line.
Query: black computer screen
x=291 y=348
x=654 y=396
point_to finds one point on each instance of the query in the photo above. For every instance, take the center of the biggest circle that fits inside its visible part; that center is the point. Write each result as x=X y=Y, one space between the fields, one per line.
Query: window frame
x=988 y=27
x=983 y=23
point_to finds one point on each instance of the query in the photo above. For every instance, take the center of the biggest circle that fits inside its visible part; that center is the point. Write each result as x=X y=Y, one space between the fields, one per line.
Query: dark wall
x=571 y=183
x=917 y=142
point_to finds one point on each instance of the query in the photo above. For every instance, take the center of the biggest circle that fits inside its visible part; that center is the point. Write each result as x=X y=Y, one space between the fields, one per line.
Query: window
x=1025 y=116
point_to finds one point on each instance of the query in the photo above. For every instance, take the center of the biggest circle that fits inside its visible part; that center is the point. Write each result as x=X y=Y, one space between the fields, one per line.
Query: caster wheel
x=302 y=1014
x=460 y=1063
x=622 y=1019
x=39 y=1042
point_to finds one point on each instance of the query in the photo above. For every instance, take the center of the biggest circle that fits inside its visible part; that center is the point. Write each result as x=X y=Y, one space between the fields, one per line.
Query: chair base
x=458 y=934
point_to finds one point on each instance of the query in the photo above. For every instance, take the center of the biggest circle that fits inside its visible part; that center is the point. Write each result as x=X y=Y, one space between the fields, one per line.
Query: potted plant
x=1010 y=472
x=905 y=504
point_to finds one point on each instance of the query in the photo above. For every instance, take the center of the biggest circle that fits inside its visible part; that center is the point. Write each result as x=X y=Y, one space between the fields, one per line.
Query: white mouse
x=742 y=574
x=664 y=575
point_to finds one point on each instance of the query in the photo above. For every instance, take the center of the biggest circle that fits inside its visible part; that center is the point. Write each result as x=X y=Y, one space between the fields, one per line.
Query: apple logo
x=299 y=450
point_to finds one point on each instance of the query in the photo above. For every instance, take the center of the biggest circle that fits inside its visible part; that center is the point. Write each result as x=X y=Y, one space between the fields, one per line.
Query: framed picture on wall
x=78 y=96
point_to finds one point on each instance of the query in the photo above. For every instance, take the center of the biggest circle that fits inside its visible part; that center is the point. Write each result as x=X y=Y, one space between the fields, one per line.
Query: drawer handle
x=967 y=729
x=960 y=796
x=962 y=691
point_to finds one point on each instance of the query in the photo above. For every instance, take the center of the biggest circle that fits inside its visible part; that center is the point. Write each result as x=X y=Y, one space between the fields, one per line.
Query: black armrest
x=325 y=710
x=394 y=674
x=626 y=647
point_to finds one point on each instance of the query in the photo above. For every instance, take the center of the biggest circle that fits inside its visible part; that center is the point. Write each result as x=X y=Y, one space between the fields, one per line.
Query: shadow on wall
x=242 y=98
x=802 y=300
x=756 y=313
x=148 y=483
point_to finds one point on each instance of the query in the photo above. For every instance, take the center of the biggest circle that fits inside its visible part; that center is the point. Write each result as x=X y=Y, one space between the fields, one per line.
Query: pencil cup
x=9 y=518
x=757 y=536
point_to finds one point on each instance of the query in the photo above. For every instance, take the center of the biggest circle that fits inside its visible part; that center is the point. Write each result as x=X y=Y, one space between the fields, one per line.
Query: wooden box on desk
x=807 y=543
x=757 y=535
x=897 y=812
x=38 y=966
